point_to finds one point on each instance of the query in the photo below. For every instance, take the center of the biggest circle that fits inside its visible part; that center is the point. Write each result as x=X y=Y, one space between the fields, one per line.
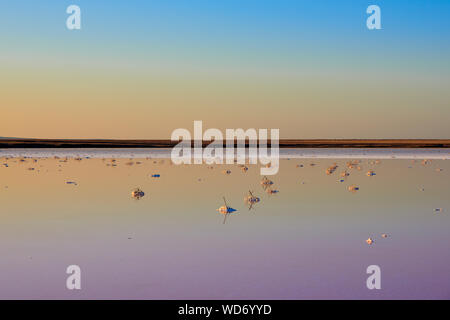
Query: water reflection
x=250 y=200
x=137 y=194
x=309 y=241
x=225 y=210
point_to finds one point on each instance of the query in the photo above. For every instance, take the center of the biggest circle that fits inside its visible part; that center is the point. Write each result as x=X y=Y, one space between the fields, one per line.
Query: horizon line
x=7 y=143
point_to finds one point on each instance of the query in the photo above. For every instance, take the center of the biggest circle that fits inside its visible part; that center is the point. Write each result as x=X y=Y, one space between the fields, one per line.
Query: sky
x=141 y=69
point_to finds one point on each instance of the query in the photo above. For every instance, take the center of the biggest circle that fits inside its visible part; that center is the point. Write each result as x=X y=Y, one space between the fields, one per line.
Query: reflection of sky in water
x=307 y=241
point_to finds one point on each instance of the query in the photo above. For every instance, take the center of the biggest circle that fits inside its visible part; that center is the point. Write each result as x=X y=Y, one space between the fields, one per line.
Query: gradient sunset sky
x=140 y=69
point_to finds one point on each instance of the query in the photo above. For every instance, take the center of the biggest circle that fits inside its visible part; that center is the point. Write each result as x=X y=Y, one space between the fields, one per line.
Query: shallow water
x=307 y=241
x=321 y=153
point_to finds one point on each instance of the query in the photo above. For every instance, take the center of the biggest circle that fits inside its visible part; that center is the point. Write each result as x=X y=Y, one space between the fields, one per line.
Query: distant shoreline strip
x=283 y=143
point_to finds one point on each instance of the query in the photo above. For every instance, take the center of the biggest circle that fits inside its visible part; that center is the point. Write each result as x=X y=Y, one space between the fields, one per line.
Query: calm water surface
x=307 y=241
